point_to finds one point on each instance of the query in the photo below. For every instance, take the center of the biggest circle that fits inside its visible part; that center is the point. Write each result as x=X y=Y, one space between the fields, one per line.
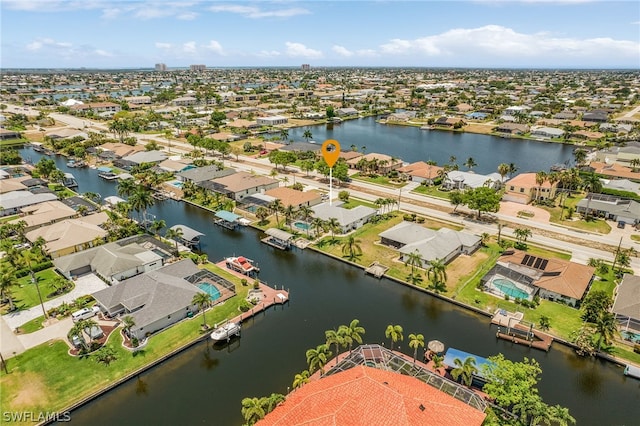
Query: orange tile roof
x=421 y=169
x=615 y=170
x=526 y=180
x=292 y=197
x=369 y=396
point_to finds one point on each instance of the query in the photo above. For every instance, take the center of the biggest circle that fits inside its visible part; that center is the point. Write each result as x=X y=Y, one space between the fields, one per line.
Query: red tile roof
x=369 y=396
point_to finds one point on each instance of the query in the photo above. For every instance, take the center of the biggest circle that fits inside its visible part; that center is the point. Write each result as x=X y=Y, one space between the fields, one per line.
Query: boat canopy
x=188 y=234
x=279 y=234
x=104 y=169
x=228 y=216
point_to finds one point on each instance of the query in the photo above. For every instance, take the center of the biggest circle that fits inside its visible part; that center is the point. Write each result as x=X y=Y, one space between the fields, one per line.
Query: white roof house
x=457 y=179
x=349 y=219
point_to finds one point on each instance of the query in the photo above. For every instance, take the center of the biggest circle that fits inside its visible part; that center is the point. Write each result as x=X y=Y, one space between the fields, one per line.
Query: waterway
x=206 y=384
x=413 y=144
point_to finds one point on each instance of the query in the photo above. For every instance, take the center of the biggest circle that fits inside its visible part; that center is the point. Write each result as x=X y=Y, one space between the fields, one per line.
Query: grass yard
x=432 y=191
x=354 y=202
x=379 y=180
x=25 y=295
x=47 y=379
x=593 y=225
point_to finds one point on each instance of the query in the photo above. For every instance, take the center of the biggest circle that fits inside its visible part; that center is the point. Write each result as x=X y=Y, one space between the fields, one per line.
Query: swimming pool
x=210 y=289
x=509 y=288
x=302 y=225
x=175 y=183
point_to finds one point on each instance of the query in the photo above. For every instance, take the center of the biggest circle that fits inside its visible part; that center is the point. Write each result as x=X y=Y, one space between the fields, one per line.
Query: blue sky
x=474 y=33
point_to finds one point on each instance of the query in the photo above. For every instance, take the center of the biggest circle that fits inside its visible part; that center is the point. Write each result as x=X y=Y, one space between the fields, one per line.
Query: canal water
x=413 y=144
x=205 y=384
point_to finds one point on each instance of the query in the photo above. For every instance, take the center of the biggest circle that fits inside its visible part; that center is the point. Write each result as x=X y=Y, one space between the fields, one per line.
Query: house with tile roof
x=626 y=305
x=421 y=172
x=70 y=235
x=43 y=214
x=371 y=394
x=551 y=279
x=443 y=244
x=240 y=185
x=14 y=201
x=295 y=198
x=523 y=189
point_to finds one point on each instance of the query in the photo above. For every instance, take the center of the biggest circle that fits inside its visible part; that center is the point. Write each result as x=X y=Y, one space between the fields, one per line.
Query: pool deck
x=270 y=296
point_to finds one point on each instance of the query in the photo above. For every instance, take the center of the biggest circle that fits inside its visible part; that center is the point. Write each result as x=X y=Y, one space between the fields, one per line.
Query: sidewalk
x=86 y=284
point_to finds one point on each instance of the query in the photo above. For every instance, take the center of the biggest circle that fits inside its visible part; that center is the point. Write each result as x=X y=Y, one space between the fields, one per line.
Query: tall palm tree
x=503 y=170
x=413 y=259
x=522 y=234
x=437 y=273
x=318 y=226
x=334 y=338
x=127 y=324
x=157 y=225
x=607 y=328
x=394 y=333
x=29 y=259
x=126 y=187
x=307 y=135
x=470 y=163
x=300 y=379
x=333 y=225
x=352 y=332
x=140 y=201
x=351 y=248
x=289 y=213
x=8 y=280
x=284 y=135
x=560 y=415
x=541 y=177
x=202 y=300
x=416 y=341
x=305 y=213
x=317 y=358
x=78 y=331
x=276 y=207
x=252 y=410
x=174 y=234
x=464 y=370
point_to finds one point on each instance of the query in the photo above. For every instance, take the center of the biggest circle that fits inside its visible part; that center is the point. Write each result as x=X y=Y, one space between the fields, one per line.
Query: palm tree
x=503 y=170
x=522 y=234
x=252 y=410
x=289 y=213
x=541 y=177
x=127 y=324
x=560 y=415
x=29 y=259
x=126 y=187
x=607 y=328
x=92 y=196
x=317 y=358
x=8 y=280
x=333 y=226
x=333 y=337
x=318 y=226
x=394 y=333
x=464 y=370
x=300 y=379
x=580 y=156
x=284 y=135
x=352 y=332
x=416 y=341
x=413 y=259
x=351 y=248
x=437 y=273
x=157 y=225
x=307 y=135
x=174 y=234
x=141 y=200
x=272 y=401
x=470 y=163
x=276 y=207
x=202 y=300
x=77 y=330
x=305 y=213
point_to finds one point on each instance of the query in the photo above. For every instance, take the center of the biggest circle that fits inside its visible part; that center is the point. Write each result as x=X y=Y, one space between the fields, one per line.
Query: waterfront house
x=596 y=116
x=292 y=197
x=614 y=170
x=12 y=202
x=348 y=219
x=551 y=279
x=113 y=150
x=239 y=185
x=610 y=207
x=272 y=120
x=383 y=163
x=346 y=112
x=145 y=157
x=155 y=299
x=420 y=172
x=621 y=185
x=626 y=305
x=546 y=132
x=444 y=244
x=588 y=135
x=203 y=174
x=116 y=261
x=523 y=189
x=449 y=121
x=9 y=134
x=512 y=128
x=10 y=184
x=42 y=214
x=97 y=107
x=70 y=235
x=376 y=386
x=66 y=133
x=456 y=179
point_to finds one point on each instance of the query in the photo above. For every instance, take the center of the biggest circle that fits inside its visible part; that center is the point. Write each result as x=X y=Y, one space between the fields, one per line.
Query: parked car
x=76 y=341
x=84 y=313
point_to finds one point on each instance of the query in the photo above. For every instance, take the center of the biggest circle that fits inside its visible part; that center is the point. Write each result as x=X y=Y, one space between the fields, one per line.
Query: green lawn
x=354 y=202
x=635 y=237
x=25 y=295
x=432 y=191
x=379 y=180
x=591 y=225
x=46 y=378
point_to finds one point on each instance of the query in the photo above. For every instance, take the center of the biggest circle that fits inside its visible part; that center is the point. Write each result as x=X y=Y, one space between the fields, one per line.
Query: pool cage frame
x=227 y=288
x=509 y=274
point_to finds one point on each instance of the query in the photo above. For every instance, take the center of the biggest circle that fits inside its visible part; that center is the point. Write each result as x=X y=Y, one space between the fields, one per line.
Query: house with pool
x=158 y=299
x=519 y=275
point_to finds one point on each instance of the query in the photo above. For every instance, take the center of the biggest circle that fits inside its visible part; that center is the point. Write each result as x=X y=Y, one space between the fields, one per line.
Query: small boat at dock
x=632 y=371
x=225 y=332
x=242 y=264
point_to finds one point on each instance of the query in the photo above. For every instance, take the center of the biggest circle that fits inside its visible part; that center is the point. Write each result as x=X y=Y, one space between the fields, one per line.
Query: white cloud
x=44 y=43
x=499 y=41
x=256 y=13
x=342 y=51
x=103 y=53
x=161 y=45
x=189 y=47
x=187 y=16
x=215 y=47
x=300 y=50
x=268 y=54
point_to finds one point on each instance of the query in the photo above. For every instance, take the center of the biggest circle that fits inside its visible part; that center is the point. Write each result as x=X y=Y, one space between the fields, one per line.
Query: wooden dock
x=376 y=269
x=510 y=328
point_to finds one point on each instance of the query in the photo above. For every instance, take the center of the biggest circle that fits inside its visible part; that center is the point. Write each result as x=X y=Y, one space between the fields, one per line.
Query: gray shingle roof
x=345 y=216
x=627 y=301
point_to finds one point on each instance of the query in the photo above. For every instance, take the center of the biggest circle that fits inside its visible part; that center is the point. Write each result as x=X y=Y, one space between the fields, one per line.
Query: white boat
x=226 y=331
x=632 y=371
x=241 y=264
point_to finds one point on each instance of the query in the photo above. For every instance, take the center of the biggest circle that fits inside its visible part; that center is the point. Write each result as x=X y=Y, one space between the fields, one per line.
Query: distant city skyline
x=461 y=34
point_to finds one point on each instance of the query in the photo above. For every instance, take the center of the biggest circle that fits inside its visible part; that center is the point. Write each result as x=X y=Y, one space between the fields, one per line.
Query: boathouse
x=226 y=219
x=278 y=238
x=190 y=237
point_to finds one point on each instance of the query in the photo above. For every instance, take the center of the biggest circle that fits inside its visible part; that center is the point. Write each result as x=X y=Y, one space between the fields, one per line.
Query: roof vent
x=421 y=407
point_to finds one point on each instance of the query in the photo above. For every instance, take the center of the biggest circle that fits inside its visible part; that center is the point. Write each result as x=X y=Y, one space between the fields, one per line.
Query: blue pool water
x=211 y=289
x=176 y=183
x=509 y=288
x=301 y=225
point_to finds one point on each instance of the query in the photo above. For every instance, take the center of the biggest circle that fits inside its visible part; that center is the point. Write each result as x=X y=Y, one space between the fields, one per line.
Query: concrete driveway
x=85 y=284
x=509 y=208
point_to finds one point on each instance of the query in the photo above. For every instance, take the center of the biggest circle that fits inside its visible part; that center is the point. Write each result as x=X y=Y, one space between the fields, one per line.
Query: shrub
x=636 y=348
x=245 y=306
x=506 y=297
